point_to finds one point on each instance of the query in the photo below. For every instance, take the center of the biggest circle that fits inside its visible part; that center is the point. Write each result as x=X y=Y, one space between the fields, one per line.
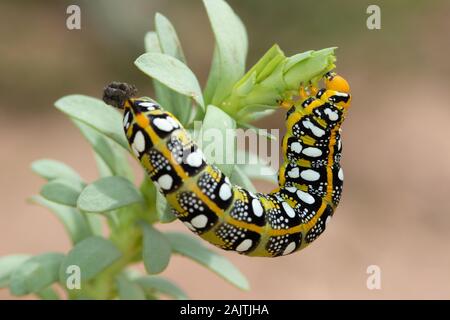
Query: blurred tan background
x=395 y=211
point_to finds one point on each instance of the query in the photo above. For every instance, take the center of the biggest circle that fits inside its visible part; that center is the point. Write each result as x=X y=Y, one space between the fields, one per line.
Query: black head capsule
x=117 y=93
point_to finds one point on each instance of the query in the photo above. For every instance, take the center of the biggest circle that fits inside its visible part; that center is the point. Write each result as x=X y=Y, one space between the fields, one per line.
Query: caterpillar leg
x=307 y=91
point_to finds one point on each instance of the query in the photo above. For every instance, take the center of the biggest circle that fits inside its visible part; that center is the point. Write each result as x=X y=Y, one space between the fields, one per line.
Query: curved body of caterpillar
x=228 y=216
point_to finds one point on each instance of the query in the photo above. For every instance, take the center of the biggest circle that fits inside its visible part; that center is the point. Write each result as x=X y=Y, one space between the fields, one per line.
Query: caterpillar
x=203 y=198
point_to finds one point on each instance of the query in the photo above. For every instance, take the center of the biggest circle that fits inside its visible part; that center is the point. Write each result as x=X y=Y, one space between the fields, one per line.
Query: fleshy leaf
x=96 y=114
x=74 y=221
x=168 y=39
x=128 y=290
x=230 y=52
x=63 y=191
x=216 y=127
x=108 y=194
x=52 y=169
x=7 y=266
x=156 y=249
x=155 y=284
x=113 y=156
x=48 y=294
x=171 y=72
x=36 y=273
x=163 y=209
x=92 y=256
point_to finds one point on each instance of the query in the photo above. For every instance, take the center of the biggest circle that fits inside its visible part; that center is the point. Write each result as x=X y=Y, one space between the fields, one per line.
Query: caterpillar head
x=336 y=83
x=117 y=94
x=120 y=95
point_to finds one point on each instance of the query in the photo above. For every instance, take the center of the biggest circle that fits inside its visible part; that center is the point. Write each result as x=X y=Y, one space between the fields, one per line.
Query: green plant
x=231 y=99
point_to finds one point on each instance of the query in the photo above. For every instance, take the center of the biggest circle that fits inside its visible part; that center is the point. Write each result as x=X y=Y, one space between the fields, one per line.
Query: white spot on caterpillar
x=305 y=197
x=291 y=189
x=165 y=182
x=332 y=115
x=327 y=221
x=173 y=122
x=310 y=175
x=136 y=153
x=296 y=147
x=244 y=245
x=315 y=130
x=195 y=159
x=149 y=105
x=341 y=174
x=163 y=124
x=290 y=247
x=339 y=145
x=126 y=120
x=138 y=142
x=187 y=224
x=225 y=192
x=257 y=208
x=312 y=152
x=290 y=212
x=199 y=221
x=294 y=172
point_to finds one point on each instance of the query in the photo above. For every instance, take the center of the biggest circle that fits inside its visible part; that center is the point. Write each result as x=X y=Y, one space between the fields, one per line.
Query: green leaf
x=95 y=222
x=309 y=66
x=152 y=284
x=168 y=39
x=7 y=266
x=163 y=209
x=188 y=246
x=164 y=95
x=103 y=169
x=48 y=294
x=108 y=194
x=151 y=42
x=217 y=131
x=149 y=192
x=74 y=222
x=240 y=178
x=36 y=273
x=171 y=72
x=156 y=250
x=275 y=77
x=92 y=256
x=128 y=290
x=96 y=114
x=169 y=44
x=231 y=50
x=112 y=155
x=63 y=191
x=213 y=77
x=52 y=169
